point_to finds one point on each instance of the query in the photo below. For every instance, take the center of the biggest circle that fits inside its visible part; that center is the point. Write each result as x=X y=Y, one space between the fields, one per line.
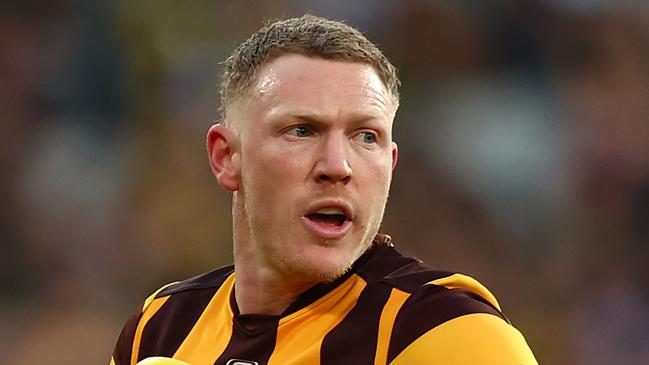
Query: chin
x=324 y=264
x=313 y=277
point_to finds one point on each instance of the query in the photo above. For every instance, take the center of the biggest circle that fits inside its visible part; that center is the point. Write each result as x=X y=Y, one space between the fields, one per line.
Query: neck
x=259 y=292
x=260 y=287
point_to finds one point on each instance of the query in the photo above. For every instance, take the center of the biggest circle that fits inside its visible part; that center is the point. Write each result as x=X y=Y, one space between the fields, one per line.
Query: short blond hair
x=307 y=35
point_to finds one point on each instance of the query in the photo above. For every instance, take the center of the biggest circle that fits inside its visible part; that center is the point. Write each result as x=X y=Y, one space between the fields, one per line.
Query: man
x=305 y=147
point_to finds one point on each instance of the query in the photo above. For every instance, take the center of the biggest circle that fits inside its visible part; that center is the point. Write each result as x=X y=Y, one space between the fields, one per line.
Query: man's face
x=316 y=163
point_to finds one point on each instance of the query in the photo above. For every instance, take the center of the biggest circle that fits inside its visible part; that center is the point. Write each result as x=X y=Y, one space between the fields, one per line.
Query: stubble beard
x=300 y=267
x=294 y=266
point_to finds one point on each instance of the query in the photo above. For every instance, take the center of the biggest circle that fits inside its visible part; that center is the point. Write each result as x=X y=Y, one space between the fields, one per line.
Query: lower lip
x=326 y=230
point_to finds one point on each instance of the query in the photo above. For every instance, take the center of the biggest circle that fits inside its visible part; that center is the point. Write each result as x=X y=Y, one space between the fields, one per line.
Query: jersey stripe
x=167 y=329
x=430 y=307
x=386 y=323
x=251 y=344
x=472 y=339
x=467 y=282
x=385 y=310
x=124 y=348
x=151 y=309
x=211 y=334
x=306 y=328
x=362 y=325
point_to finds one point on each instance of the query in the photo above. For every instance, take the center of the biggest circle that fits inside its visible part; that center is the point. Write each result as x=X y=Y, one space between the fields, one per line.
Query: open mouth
x=328 y=219
x=329 y=222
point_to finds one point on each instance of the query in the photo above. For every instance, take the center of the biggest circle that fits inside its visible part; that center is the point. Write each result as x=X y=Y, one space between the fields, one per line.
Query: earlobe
x=395 y=154
x=222 y=150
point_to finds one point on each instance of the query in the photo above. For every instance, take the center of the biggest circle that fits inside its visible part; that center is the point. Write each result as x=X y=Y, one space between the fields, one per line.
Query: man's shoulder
x=209 y=280
x=441 y=315
x=388 y=265
x=439 y=306
x=384 y=263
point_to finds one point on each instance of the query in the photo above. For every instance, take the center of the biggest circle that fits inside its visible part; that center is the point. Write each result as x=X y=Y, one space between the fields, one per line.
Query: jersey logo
x=241 y=362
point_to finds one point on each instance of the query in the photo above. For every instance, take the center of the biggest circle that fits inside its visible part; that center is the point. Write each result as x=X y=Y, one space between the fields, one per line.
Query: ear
x=395 y=154
x=223 y=152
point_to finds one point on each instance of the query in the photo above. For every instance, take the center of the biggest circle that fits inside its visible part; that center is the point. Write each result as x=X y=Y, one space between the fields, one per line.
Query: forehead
x=295 y=80
x=298 y=67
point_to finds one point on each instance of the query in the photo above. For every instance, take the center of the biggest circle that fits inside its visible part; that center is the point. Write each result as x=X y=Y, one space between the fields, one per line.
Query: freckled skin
x=313 y=130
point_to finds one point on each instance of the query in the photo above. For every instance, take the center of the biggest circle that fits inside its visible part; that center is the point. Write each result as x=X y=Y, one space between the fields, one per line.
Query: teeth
x=330 y=211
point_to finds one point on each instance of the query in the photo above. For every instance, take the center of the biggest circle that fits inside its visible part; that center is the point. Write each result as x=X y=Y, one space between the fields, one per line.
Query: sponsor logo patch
x=241 y=362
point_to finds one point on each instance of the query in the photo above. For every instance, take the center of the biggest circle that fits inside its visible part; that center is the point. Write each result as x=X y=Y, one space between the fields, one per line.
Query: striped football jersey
x=390 y=308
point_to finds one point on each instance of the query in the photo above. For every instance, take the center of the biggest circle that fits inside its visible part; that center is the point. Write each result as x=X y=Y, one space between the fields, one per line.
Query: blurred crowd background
x=524 y=160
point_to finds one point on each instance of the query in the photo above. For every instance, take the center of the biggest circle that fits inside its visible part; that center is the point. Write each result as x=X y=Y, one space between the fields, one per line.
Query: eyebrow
x=317 y=119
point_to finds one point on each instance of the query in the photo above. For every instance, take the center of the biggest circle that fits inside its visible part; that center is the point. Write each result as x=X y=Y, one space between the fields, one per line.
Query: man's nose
x=332 y=164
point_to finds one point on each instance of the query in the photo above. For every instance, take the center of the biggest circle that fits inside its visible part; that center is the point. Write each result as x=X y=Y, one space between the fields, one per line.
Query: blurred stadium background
x=524 y=139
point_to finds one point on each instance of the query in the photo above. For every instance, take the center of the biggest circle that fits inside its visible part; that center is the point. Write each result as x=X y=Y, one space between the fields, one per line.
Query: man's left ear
x=395 y=154
x=224 y=156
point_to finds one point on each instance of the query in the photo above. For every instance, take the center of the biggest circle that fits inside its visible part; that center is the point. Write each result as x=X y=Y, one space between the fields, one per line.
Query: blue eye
x=300 y=132
x=368 y=137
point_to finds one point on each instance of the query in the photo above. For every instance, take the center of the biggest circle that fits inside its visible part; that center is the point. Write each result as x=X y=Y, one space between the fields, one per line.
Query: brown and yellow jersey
x=388 y=309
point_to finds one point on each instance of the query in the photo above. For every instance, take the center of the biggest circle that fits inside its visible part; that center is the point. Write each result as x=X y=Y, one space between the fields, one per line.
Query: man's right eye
x=300 y=132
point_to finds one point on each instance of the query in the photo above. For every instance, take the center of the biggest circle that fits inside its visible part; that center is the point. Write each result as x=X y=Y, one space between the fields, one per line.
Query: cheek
x=377 y=178
x=377 y=169
x=270 y=174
